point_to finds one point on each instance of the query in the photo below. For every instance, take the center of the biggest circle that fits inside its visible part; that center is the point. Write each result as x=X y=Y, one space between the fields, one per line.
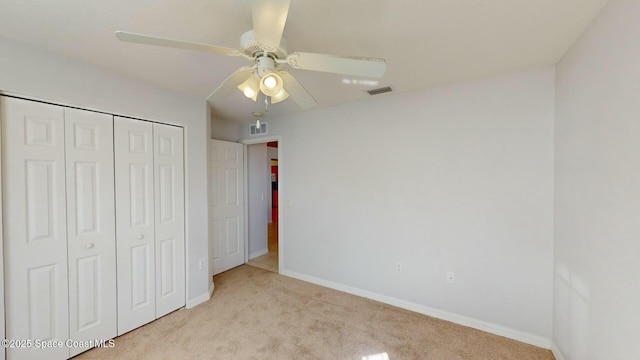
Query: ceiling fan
x=266 y=48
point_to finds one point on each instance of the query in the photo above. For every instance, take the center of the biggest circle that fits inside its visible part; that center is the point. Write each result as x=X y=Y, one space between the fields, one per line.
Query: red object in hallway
x=274 y=190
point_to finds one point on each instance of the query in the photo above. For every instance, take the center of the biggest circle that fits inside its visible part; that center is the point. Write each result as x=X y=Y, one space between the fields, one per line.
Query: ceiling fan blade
x=178 y=44
x=298 y=93
x=347 y=65
x=230 y=84
x=269 y=18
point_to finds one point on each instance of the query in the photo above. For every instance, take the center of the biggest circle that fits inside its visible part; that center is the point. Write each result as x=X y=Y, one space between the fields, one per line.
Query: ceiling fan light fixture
x=266 y=48
x=271 y=84
x=250 y=88
x=248 y=92
x=281 y=96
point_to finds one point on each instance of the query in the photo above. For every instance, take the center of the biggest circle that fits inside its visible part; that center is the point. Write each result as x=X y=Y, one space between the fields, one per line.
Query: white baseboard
x=496 y=329
x=556 y=352
x=191 y=303
x=255 y=254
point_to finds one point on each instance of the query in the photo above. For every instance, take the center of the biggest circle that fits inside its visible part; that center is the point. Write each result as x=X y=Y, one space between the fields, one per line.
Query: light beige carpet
x=257 y=314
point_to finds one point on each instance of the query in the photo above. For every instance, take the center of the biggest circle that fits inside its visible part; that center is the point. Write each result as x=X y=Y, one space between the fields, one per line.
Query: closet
x=93 y=225
x=150 y=221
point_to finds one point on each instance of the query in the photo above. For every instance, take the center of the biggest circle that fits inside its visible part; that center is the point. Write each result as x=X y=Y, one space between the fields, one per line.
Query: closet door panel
x=35 y=238
x=169 y=218
x=90 y=226
x=135 y=236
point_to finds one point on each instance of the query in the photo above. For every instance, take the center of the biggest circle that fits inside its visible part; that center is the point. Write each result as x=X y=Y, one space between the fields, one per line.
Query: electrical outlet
x=202 y=264
x=398 y=267
x=451 y=277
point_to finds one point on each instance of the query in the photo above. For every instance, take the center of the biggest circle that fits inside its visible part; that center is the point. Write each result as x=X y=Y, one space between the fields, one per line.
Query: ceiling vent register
x=254 y=130
x=379 y=91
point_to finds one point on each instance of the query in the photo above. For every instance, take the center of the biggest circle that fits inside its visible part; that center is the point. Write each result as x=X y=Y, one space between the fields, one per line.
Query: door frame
x=281 y=247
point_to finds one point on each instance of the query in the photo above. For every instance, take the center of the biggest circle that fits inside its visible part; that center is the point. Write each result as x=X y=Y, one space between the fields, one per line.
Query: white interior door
x=135 y=237
x=35 y=226
x=90 y=226
x=226 y=206
x=169 y=218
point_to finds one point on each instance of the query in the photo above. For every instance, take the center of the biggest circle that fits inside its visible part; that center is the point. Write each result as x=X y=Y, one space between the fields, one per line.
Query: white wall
x=272 y=153
x=597 y=267
x=458 y=178
x=258 y=189
x=225 y=130
x=47 y=76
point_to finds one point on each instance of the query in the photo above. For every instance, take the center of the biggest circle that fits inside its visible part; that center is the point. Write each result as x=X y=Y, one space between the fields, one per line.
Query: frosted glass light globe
x=270 y=82
x=248 y=92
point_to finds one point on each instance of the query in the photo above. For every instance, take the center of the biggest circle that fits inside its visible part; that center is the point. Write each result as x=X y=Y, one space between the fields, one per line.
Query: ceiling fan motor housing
x=252 y=47
x=265 y=65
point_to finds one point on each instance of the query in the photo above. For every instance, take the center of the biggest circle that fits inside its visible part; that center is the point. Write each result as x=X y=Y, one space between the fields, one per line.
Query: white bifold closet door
x=35 y=225
x=149 y=222
x=59 y=239
x=135 y=233
x=169 y=218
x=90 y=226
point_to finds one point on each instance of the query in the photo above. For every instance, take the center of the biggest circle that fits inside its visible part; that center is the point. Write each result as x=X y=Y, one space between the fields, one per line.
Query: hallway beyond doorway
x=268 y=261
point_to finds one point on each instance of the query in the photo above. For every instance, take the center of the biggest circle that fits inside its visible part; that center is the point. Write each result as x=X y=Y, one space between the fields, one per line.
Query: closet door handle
x=89 y=245
x=140 y=237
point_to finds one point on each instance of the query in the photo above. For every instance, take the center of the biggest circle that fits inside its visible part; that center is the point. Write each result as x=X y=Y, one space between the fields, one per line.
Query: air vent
x=260 y=131
x=379 y=91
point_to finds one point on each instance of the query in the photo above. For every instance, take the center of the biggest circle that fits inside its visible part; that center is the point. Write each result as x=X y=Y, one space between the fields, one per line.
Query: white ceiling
x=425 y=42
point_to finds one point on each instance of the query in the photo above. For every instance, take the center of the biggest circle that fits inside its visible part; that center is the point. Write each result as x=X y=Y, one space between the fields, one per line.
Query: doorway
x=272 y=154
x=262 y=185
